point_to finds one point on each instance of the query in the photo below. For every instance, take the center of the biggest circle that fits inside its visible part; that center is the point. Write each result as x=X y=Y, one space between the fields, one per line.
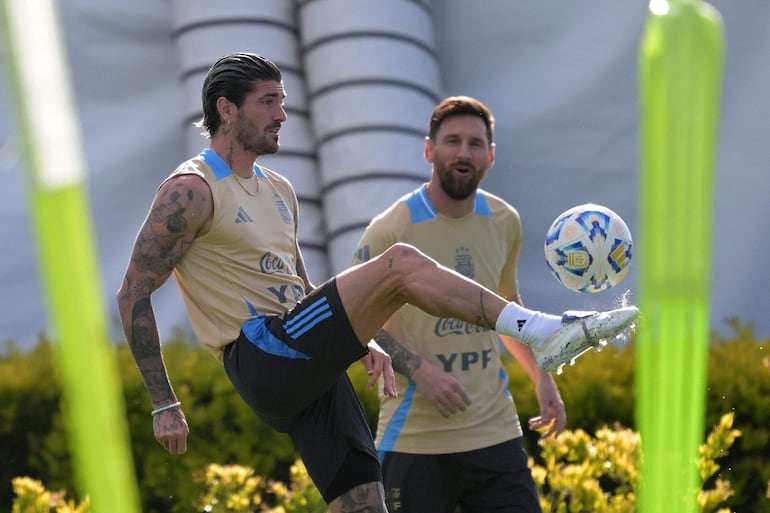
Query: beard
x=458 y=187
x=253 y=142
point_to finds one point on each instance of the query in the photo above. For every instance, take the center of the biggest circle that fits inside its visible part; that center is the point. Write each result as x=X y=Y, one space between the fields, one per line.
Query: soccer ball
x=588 y=248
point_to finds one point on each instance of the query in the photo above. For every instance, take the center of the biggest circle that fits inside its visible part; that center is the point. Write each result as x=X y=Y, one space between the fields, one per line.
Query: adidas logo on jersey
x=242 y=216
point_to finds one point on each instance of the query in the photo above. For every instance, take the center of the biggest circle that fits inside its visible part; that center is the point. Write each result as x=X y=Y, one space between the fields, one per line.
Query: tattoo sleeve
x=161 y=243
x=404 y=361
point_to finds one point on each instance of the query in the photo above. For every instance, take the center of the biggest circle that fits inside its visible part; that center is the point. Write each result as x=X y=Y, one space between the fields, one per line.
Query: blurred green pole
x=50 y=137
x=680 y=70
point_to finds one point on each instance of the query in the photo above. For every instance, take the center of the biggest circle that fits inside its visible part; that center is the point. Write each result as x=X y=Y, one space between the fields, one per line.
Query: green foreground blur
x=680 y=68
x=93 y=403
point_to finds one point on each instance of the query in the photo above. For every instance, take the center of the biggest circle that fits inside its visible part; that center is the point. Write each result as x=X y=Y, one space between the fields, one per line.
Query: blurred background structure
x=362 y=78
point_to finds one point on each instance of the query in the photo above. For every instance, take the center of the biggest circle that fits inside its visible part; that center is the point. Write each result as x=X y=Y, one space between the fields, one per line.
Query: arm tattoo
x=483 y=319
x=362 y=498
x=162 y=242
x=404 y=361
x=142 y=336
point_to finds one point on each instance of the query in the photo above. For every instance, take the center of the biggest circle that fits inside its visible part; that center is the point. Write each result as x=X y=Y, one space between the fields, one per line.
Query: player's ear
x=225 y=108
x=428 y=152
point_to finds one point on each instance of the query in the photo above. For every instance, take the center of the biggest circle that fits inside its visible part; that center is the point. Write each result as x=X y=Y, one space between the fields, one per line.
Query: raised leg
x=374 y=290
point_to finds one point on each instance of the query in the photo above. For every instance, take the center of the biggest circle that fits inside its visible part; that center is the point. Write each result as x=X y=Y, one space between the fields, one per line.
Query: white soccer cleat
x=580 y=332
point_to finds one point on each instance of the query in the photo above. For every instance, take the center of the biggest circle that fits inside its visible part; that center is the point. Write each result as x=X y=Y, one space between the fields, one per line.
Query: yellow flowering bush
x=230 y=489
x=580 y=473
x=235 y=489
x=577 y=473
x=32 y=497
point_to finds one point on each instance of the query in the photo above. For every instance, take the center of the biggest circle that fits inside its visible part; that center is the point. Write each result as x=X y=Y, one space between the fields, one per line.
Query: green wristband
x=167 y=407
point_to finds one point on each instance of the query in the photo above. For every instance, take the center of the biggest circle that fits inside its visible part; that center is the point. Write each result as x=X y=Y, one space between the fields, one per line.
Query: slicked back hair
x=461 y=106
x=233 y=76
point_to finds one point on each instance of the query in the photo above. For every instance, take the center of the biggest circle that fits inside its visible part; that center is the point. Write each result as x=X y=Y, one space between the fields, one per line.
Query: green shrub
x=598 y=392
x=599 y=474
x=29 y=413
x=580 y=473
x=30 y=496
x=235 y=489
x=223 y=428
x=739 y=381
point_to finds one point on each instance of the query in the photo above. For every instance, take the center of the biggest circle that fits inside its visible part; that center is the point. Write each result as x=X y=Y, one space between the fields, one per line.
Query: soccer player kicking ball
x=284 y=343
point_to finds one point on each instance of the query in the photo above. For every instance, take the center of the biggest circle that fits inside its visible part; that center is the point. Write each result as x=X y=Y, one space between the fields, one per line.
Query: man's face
x=460 y=154
x=261 y=117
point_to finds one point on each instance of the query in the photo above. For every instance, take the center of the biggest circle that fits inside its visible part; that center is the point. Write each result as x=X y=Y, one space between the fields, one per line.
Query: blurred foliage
x=599 y=474
x=235 y=489
x=598 y=392
x=580 y=474
x=30 y=496
x=223 y=429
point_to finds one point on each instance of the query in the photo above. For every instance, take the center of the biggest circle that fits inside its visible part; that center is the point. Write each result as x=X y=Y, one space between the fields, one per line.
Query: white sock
x=529 y=326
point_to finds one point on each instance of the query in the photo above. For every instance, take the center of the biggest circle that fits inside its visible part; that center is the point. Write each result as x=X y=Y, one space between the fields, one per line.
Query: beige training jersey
x=246 y=265
x=482 y=246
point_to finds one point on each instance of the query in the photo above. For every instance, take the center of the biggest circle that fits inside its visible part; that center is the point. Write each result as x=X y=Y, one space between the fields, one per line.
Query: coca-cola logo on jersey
x=449 y=326
x=271 y=264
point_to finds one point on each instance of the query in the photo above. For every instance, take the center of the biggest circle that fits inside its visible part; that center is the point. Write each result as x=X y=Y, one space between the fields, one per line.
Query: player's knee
x=405 y=258
x=406 y=266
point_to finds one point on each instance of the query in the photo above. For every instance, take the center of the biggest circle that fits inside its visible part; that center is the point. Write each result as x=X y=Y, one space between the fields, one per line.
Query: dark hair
x=461 y=106
x=233 y=76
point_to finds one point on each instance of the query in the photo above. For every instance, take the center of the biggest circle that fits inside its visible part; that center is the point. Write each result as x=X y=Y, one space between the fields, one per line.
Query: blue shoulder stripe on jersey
x=258 y=334
x=397 y=422
x=419 y=206
x=215 y=162
x=220 y=167
x=481 y=207
x=308 y=318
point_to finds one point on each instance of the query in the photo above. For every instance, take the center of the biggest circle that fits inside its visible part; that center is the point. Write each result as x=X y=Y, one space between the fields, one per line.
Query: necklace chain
x=243 y=181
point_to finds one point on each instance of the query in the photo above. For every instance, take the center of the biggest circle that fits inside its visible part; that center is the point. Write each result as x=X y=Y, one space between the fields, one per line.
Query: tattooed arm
x=405 y=362
x=446 y=393
x=302 y=271
x=182 y=210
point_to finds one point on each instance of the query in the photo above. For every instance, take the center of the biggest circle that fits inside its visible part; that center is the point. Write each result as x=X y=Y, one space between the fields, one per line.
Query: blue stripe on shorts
x=310 y=316
x=258 y=334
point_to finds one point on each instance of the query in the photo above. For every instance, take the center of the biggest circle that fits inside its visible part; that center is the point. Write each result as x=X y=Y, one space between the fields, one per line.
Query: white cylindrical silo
x=373 y=79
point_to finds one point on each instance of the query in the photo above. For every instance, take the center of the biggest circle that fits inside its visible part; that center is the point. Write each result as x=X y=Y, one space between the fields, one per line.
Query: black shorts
x=493 y=479
x=291 y=371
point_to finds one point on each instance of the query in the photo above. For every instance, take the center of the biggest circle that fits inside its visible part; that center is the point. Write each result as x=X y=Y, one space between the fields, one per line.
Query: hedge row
x=597 y=392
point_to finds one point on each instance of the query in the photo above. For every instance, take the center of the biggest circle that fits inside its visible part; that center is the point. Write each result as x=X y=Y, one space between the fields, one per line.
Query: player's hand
x=378 y=363
x=552 y=413
x=447 y=394
x=170 y=428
